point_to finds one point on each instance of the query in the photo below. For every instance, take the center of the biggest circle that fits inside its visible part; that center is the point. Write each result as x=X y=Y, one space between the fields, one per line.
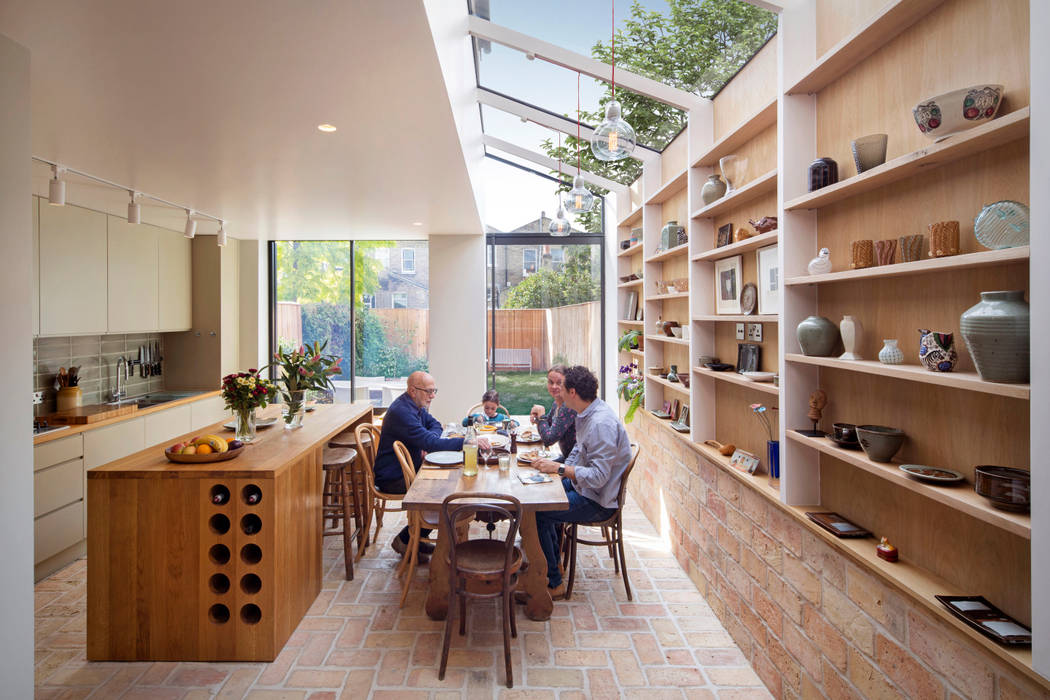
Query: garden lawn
x=520 y=391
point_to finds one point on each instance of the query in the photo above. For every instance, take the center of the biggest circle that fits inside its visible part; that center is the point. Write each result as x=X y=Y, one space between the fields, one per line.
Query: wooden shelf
x=890 y=21
x=761 y=185
x=765 y=117
x=661 y=297
x=727 y=251
x=951 y=262
x=995 y=133
x=675 y=252
x=666 y=339
x=968 y=381
x=628 y=285
x=632 y=218
x=633 y=250
x=630 y=323
x=637 y=353
x=961 y=497
x=669 y=189
x=670 y=385
x=734 y=378
x=760 y=482
x=753 y=318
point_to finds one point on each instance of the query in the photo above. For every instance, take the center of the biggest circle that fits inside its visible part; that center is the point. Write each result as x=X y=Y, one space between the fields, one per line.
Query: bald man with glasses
x=408 y=419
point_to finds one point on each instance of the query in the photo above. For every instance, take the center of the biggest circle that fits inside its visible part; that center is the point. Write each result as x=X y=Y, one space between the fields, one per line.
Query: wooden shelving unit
x=995 y=133
x=632 y=218
x=670 y=385
x=967 y=381
x=727 y=251
x=946 y=264
x=765 y=117
x=670 y=188
x=673 y=295
x=629 y=285
x=893 y=19
x=666 y=339
x=677 y=251
x=734 y=378
x=630 y=323
x=763 y=184
x=633 y=250
x=753 y=318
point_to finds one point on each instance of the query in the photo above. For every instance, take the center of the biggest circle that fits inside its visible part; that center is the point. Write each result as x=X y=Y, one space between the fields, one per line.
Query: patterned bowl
x=952 y=112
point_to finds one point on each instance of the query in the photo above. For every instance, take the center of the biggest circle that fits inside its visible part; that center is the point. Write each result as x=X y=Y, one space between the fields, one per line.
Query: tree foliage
x=696 y=47
x=319 y=271
x=546 y=288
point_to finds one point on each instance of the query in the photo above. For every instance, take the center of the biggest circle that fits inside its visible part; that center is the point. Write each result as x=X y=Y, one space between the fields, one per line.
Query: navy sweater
x=417 y=429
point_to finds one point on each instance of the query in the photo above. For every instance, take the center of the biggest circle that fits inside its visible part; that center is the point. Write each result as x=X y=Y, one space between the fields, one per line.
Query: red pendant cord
x=577 y=122
x=614 y=49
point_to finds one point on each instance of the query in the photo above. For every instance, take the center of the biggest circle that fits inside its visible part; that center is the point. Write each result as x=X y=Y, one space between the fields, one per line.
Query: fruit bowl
x=943 y=115
x=203 y=459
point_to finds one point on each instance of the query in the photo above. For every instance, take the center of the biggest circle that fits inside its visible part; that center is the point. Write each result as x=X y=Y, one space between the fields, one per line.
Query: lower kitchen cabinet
x=208 y=411
x=58 y=503
x=164 y=425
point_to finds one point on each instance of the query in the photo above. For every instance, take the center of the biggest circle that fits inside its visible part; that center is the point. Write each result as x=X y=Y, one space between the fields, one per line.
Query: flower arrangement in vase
x=630 y=388
x=303 y=369
x=243 y=393
x=772 y=446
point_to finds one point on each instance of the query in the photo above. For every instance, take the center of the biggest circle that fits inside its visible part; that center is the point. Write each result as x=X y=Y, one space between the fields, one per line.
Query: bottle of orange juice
x=470 y=452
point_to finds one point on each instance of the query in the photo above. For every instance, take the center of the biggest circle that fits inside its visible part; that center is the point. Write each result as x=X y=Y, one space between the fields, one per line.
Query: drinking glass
x=504 y=465
x=470 y=459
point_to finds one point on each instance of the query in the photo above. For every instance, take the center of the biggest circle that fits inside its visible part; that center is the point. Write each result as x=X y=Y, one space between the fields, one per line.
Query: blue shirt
x=417 y=429
x=601 y=454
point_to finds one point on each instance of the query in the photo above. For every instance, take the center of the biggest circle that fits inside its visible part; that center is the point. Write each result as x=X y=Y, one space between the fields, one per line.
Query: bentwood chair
x=612 y=534
x=476 y=408
x=378 y=501
x=483 y=568
x=417 y=520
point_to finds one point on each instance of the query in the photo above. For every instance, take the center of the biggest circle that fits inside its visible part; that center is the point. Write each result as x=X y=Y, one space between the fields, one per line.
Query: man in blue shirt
x=592 y=472
x=408 y=419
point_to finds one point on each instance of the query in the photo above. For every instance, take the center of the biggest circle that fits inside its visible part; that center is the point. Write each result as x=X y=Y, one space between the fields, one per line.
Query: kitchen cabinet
x=132 y=251
x=103 y=445
x=58 y=502
x=35 y=293
x=73 y=271
x=174 y=281
x=208 y=411
x=164 y=425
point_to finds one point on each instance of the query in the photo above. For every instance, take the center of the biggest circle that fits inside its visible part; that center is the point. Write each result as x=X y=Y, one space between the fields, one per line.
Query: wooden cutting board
x=90 y=414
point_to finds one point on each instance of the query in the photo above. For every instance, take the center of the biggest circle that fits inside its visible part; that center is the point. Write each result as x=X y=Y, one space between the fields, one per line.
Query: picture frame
x=725 y=235
x=769 y=283
x=682 y=424
x=748 y=357
x=728 y=285
x=742 y=459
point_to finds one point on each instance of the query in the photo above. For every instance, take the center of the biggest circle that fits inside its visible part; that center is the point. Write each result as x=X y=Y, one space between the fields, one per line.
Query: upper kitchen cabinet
x=73 y=271
x=174 y=281
x=133 y=270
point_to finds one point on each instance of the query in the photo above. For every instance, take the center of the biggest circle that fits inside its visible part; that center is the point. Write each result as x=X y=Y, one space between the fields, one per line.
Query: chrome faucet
x=121 y=392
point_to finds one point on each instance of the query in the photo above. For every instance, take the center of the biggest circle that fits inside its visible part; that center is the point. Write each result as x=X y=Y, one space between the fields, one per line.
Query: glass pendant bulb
x=579 y=199
x=560 y=224
x=614 y=138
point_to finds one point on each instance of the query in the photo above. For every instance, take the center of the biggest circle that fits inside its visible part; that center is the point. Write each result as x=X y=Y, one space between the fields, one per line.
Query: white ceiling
x=215 y=105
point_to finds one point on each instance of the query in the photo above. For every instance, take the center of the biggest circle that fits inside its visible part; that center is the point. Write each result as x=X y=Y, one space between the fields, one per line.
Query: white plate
x=759 y=376
x=445 y=458
x=259 y=423
x=529 y=460
x=495 y=439
x=533 y=438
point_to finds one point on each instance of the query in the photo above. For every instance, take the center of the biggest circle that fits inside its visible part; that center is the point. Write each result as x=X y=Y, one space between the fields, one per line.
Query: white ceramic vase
x=852 y=333
x=890 y=353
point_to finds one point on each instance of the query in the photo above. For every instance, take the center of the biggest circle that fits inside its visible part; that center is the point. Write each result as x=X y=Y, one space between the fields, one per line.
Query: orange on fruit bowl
x=204 y=457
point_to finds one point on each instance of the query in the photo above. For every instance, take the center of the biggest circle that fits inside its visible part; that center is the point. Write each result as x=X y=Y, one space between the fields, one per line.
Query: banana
x=216 y=443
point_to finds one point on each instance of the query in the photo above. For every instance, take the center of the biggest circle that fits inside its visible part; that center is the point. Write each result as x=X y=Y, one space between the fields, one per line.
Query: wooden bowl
x=204 y=459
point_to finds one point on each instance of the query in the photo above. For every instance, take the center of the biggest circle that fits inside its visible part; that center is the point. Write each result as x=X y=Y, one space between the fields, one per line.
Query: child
x=491 y=412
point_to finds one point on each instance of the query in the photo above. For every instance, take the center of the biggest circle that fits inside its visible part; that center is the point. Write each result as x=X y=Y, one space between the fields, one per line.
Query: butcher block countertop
x=272 y=450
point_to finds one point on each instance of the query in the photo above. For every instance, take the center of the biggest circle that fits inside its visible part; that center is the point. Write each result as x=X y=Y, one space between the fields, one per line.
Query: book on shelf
x=632 y=306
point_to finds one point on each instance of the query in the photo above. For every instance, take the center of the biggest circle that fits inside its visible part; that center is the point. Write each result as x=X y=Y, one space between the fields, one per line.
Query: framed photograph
x=744 y=460
x=725 y=235
x=682 y=424
x=768 y=280
x=748 y=357
x=727 y=285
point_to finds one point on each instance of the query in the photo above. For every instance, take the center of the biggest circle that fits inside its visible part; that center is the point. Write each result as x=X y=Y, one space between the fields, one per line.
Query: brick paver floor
x=356 y=643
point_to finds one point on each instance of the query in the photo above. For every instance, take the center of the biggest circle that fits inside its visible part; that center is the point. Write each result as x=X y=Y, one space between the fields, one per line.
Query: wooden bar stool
x=339 y=503
x=365 y=448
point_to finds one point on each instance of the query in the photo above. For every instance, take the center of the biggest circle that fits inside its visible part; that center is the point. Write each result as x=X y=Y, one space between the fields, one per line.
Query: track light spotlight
x=134 y=209
x=191 y=224
x=56 y=189
x=220 y=238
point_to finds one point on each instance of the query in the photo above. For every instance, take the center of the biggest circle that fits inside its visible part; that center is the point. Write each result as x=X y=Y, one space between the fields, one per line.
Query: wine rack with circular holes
x=234 y=563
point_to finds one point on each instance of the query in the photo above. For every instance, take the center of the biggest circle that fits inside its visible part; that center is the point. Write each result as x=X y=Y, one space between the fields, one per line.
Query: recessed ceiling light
x=417 y=223
x=327 y=128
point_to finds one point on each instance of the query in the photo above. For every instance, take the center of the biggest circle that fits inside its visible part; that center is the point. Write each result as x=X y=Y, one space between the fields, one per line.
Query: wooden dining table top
x=427 y=492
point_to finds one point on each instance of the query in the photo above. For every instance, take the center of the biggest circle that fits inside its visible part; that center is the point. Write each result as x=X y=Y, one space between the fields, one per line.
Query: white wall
x=16 y=362
x=457 y=323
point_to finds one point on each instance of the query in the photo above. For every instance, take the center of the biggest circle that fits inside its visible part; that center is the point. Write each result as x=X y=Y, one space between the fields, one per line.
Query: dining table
x=433 y=483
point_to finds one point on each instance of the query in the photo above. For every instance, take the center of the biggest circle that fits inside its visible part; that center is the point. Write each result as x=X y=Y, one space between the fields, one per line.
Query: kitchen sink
x=155 y=398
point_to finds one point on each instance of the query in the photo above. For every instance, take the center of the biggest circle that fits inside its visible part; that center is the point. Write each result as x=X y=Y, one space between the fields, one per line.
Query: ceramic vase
x=890 y=354
x=996 y=332
x=713 y=189
x=862 y=254
x=817 y=336
x=773 y=458
x=672 y=376
x=852 y=334
x=885 y=252
x=820 y=265
x=911 y=247
x=823 y=172
x=944 y=239
x=732 y=167
x=869 y=151
x=937 y=351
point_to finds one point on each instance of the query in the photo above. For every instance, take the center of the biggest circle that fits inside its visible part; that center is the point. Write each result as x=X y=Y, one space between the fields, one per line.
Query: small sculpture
x=817 y=401
x=765 y=224
x=742 y=234
x=821 y=265
x=886 y=551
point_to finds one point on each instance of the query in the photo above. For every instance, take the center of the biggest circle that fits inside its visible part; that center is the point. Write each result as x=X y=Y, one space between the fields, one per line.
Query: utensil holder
x=68 y=397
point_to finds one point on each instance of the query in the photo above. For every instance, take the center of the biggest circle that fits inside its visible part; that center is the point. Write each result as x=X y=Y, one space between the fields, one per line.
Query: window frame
x=393 y=300
x=411 y=253
x=525 y=272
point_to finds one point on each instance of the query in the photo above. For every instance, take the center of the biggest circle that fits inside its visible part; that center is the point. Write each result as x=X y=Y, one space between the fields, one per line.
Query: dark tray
x=987 y=619
x=837 y=525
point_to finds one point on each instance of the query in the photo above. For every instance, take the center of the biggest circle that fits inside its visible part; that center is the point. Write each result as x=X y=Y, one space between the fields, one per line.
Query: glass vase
x=773 y=458
x=294 y=409
x=245 y=431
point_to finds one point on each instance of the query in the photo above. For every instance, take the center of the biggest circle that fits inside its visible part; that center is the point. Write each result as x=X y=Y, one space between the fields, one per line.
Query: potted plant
x=243 y=393
x=629 y=340
x=631 y=388
x=303 y=369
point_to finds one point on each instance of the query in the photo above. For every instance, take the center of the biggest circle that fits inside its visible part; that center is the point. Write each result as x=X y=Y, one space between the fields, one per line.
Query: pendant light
x=614 y=138
x=560 y=224
x=134 y=209
x=56 y=188
x=579 y=199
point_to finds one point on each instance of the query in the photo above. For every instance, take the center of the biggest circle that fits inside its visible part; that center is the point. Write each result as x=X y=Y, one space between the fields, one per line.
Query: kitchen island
x=174 y=575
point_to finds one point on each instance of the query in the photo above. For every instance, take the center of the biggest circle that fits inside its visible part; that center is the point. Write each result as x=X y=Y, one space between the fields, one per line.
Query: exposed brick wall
x=810 y=621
